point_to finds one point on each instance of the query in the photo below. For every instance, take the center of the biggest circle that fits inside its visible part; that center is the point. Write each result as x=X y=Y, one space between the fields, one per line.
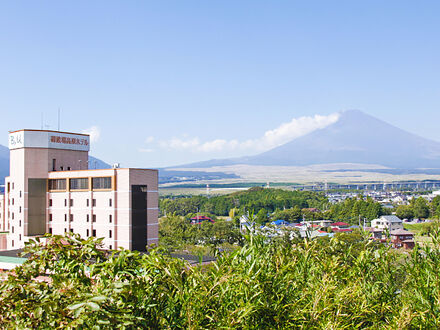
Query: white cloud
x=272 y=138
x=295 y=128
x=94 y=132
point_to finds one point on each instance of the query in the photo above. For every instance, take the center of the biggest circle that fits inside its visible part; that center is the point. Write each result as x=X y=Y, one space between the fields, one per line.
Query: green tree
x=420 y=208
x=404 y=212
x=261 y=217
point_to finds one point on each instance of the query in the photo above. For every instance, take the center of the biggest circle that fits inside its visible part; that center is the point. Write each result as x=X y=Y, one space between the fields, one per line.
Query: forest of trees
x=420 y=208
x=272 y=204
x=252 y=200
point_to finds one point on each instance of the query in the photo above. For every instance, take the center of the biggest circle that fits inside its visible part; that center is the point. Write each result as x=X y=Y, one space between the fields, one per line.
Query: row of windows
x=87 y=233
x=87 y=202
x=110 y=218
x=81 y=183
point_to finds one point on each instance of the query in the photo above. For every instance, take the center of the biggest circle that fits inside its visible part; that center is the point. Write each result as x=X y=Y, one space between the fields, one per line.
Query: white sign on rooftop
x=48 y=139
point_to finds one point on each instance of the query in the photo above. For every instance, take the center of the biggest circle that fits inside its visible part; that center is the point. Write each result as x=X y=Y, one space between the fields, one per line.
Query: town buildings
x=51 y=190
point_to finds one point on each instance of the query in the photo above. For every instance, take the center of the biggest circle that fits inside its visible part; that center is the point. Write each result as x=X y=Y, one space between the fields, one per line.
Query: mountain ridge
x=355 y=137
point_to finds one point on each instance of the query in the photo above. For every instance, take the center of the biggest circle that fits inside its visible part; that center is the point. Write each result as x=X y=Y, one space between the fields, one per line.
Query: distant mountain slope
x=97 y=163
x=4 y=163
x=355 y=138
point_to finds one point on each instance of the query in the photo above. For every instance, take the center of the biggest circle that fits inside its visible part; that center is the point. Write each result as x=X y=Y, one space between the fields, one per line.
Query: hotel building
x=51 y=190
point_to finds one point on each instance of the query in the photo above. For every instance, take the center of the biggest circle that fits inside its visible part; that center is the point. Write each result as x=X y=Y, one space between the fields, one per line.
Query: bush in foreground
x=321 y=284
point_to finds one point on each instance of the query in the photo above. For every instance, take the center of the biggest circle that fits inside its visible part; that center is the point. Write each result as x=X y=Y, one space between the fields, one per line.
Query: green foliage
x=341 y=283
x=253 y=199
x=404 y=212
x=424 y=228
x=176 y=233
x=292 y=214
x=261 y=218
x=420 y=208
x=352 y=208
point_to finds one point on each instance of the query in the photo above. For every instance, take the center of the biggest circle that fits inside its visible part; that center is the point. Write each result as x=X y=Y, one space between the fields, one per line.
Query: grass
x=416 y=228
x=423 y=240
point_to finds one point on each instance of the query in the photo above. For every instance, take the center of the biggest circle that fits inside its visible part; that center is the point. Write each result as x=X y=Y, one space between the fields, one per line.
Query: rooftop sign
x=49 y=140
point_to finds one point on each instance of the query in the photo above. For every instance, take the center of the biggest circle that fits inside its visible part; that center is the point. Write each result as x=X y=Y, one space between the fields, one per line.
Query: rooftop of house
x=390 y=218
x=339 y=224
x=401 y=232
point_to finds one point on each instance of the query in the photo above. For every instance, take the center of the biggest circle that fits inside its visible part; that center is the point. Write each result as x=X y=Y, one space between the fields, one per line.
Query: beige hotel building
x=51 y=190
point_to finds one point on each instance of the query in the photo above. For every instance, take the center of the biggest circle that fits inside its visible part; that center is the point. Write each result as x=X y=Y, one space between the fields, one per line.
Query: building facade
x=51 y=190
x=387 y=222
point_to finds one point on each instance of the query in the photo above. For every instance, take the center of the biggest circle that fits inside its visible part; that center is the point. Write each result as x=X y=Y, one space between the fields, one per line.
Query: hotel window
x=65 y=217
x=57 y=184
x=12 y=215
x=68 y=168
x=65 y=230
x=71 y=202
x=87 y=202
x=79 y=184
x=50 y=230
x=54 y=164
x=110 y=218
x=19 y=237
x=12 y=229
x=50 y=202
x=102 y=183
x=110 y=247
x=19 y=209
x=110 y=234
x=12 y=201
x=12 y=243
x=13 y=185
x=65 y=202
x=94 y=218
x=110 y=202
x=87 y=233
x=94 y=232
x=71 y=230
x=88 y=219
x=50 y=217
x=71 y=217
x=93 y=202
x=20 y=193
x=19 y=223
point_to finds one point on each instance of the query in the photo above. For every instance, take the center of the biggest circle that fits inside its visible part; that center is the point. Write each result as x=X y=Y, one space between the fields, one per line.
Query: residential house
x=402 y=238
x=387 y=223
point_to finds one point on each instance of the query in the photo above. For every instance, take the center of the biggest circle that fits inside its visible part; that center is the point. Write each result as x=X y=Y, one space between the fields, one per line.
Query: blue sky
x=170 y=82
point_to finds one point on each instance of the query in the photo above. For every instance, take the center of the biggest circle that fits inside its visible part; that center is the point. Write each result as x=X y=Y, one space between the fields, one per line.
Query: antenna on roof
x=58 y=119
